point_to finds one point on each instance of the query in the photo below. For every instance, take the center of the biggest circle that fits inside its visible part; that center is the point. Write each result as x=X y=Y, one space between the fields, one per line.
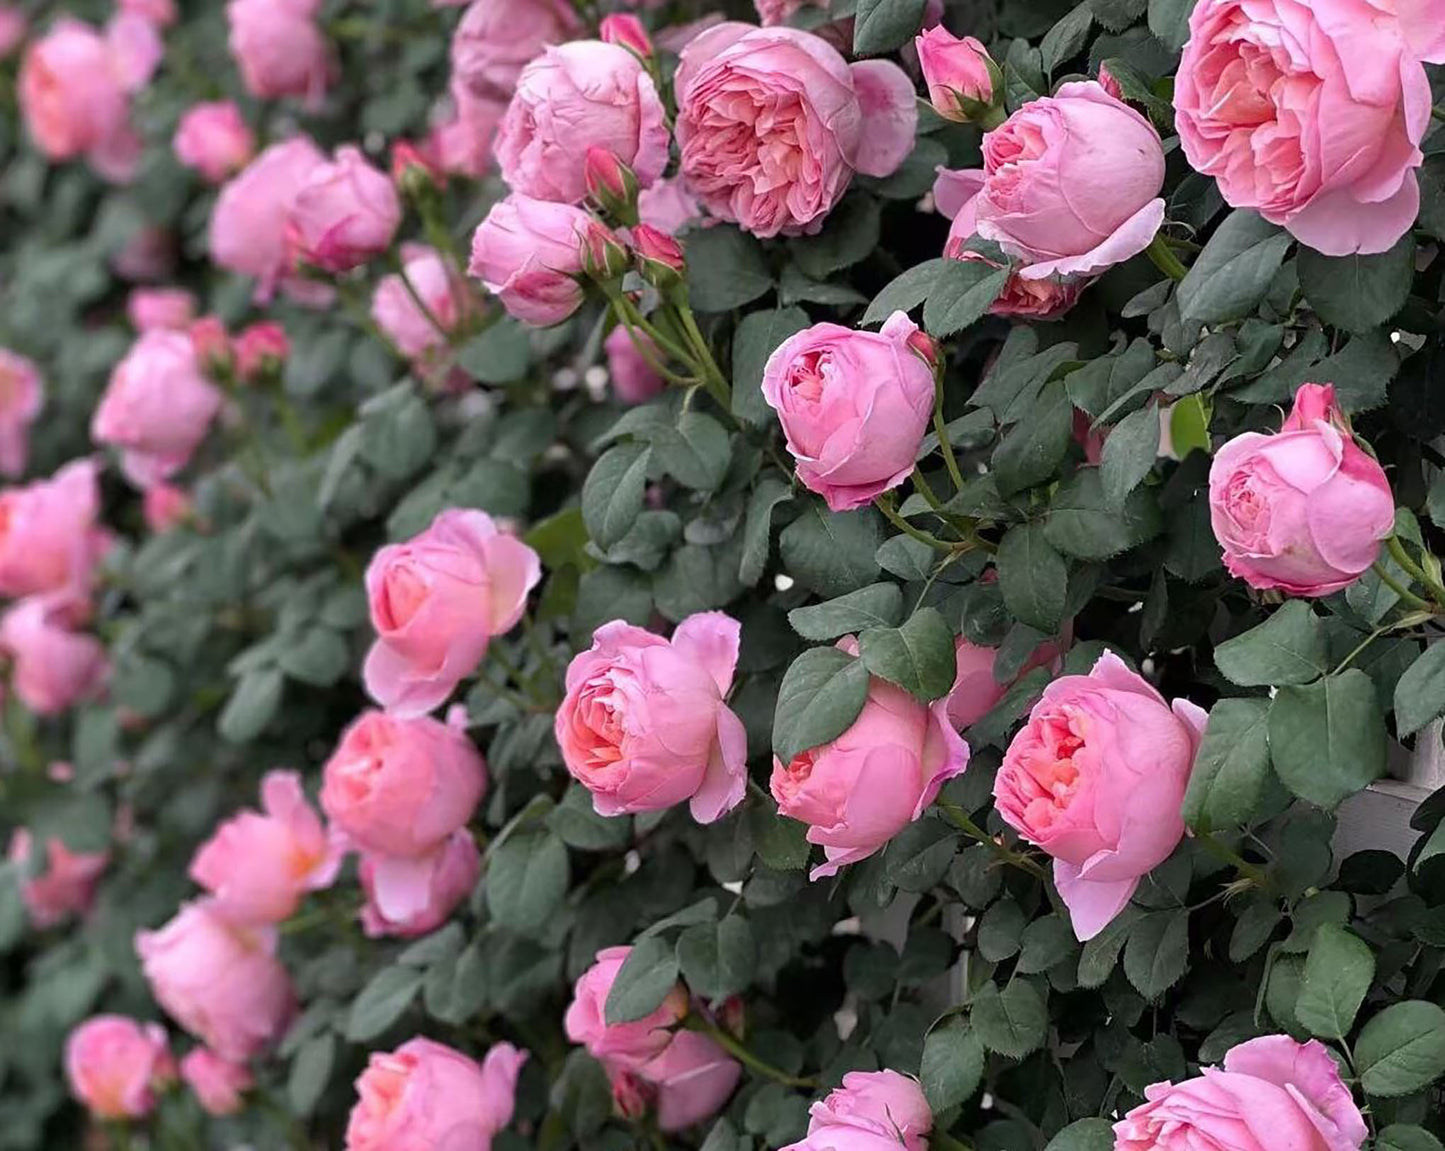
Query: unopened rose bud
x=1109 y=83
x=412 y=170
x=962 y=78
x=659 y=256
x=626 y=30
x=611 y=185
x=925 y=348
x=603 y=256
x=261 y=350
x=211 y=343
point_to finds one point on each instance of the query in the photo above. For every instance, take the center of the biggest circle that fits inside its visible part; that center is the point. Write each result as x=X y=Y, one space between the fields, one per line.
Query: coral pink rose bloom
x=436 y=602
x=157 y=407
x=49 y=541
x=218 y=1083
x=496 y=39
x=67 y=885
x=1096 y=778
x=645 y=725
x=169 y=309
x=214 y=139
x=1312 y=113
x=22 y=394
x=424 y=1096
x=975 y=690
x=454 y=872
x=873 y=1110
x=582 y=95
x=280 y=48
x=1271 y=1092
x=54 y=665
x=113 y=1065
x=854 y=406
x=417 y=334
x=528 y=253
x=627 y=1045
x=773 y=122
x=634 y=379
x=344 y=214
x=1304 y=510
x=259 y=865
x=859 y=791
x=219 y=980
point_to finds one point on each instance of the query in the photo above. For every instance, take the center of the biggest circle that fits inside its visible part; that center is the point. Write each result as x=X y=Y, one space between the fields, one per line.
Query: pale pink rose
x=668 y=205
x=345 y=213
x=1304 y=510
x=54 y=666
x=873 y=1110
x=634 y=379
x=955 y=70
x=425 y=1096
x=623 y=1045
x=164 y=308
x=161 y=13
x=976 y=691
x=49 y=538
x=692 y=1079
x=772 y=124
x=1271 y=1092
x=854 y=406
x=497 y=38
x=260 y=348
x=1312 y=114
x=248 y=224
x=259 y=865
x=67 y=885
x=218 y=1083
x=165 y=506
x=219 y=980
x=22 y=395
x=454 y=872
x=114 y=1064
x=581 y=95
x=421 y=335
x=280 y=48
x=1096 y=778
x=528 y=253
x=13 y=26
x=645 y=723
x=214 y=139
x=157 y=407
x=436 y=602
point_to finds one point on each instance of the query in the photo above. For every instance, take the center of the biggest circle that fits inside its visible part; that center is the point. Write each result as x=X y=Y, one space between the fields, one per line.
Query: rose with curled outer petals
x=1304 y=510
x=621 y=1045
x=1096 y=778
x=1271 y=1092
x=644 y=724
x=22 y=395
x=496 y=39
x=454 y=872
x=55 y=666
x=113 y=1065
x=872 y=1111
x=860 y=790
x=344 y=214
x=67 y=885
x=1313 y=113
x=214 y=139
x=773 y=122
x=217 y=1083
x=49 y=540
x=528 y=253
x=854 y=406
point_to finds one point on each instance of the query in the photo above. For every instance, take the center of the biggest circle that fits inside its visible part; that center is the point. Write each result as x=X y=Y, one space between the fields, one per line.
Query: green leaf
x=832 y=552
x=821 y=695
x=1169 y=21
x=918 y=656
x=1338 y=971
x=907 y=558
x=526 y=880
x=697 y=578
x=500 y=355
x=1230 y=276
x=877 y=605
x=883 y=25
x=1081 y=522
x=963 y=291
x=319 y=658
x=1420 y=694
x=1253 y=928
x=1066 y=39
x=906 y=291
x=1406 y=1137
x=726 y=268
x=252 y=705
x=1013 y=1021
x=695 y=452
x=1033 y=578
x=1129 y=453
x=952 y=1068
x=718 y=959
x=1157 y=954
x=643 y=981
x=850 y=234
x=1033 y=449
x=1288 y=648
x=1084 y=1135
x=1231 y=771
x=382 y=1002
x=612 y=493
x=310 y=1073
x=1000 y=931
x=1047 y=942
x=781 y=843
x=767 y=494
x=1328 y=739
x=757 y=338
x=1402 y=1049
x=1101 y=953
x=1357 y=292
x=576 y=822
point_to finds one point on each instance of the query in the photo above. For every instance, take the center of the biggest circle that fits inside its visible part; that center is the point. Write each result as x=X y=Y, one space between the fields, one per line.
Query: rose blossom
x=22 y=394
x=860 y=790
x=955 y=70
x=668 y=205
x=344 y=214
x=67 y=885
x=218 y=1083
x=426 y=1095
x=645 y=725
x=621 y=1044
x=260 y=348
x=280 y=48
x=214 y=139
x=114 y=1064
x=690 y=1081
x=634 y=379
x=157 y=407
x=161 y=13
x=461 y=143
x=497 y=38
x=1096 y=778
x=873 y=1109
x=454 y=872
x=54 y=666
x=170 y=309
x=1304 y=510
x=448 y=303
x=528 y=253
x=1272 y=1091
x=854 y=406
x=219 y=980
x=49 y=539
x=975 y=690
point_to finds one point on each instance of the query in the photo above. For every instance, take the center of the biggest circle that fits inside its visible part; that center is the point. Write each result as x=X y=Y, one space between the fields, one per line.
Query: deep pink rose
x=772 y=123
x=1271 y=1092
x=260 y=348
x=421 y=335
x=217 y=1083
x=259 y=865
x=497 y=38
x=859 y=791
x=629 y=1045
x=634 y=379
x=214 y=139
x=528 y=253
x=1096 y=778
x=955 y=70
x=67 y=885
x=425 y=1096
x=854 y=406
x=1304 y=510
x=157 y=407
x=13 y=26
x=169 y=309
x=454 y=872
x=280 y=48
x=873 y=1110
x=1312 y=113
x=344 y=214
x=645 y=723
x=219 y=980
x=22 y=394
x=49 y=539
x=976 y=691
x=165 y=506
x=114 y=1064
x=54 y=665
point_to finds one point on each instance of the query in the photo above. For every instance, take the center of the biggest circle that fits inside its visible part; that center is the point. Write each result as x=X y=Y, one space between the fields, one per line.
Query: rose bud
x=54 y=666
x=659 y=257
x=611 y=185
x=214 y=139
x=626 y=31
x=212 y=344
x=280 y=48
x=528 y=253
x=22 y=395
x=49 y=538
x=872 y=1109
x=114 y=1065
x=628 y=1045
x=165 y=506
x=634 y=379
x=1109 y=83
x=217 y=1083
x=164 y=308
x=961 y=77
x=414 y=168
x=454 y=872
x=261 y=350
x=603 y=256
x=67 y=885
x=345 y=214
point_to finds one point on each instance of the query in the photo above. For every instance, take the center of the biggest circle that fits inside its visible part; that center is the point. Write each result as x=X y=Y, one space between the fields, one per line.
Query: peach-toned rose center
x=1246 y=507
x=1052 y=767
x=403 y=591
x=599 y=723
x=810 y=375
x=382 y=1092
x=796 y=774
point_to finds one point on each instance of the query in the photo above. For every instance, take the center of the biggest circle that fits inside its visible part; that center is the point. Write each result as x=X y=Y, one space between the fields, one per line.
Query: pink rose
x=772 y=123
x=165 y=506
x=854 y=406
x=871 y=1111
x=774 y=12
x=460 y=144
x=859 y=791
x=976 y=691
x=169 y=309
x=420 y=335
x=425 y=1095
x=22 y=394
x=634 y=379
x=497 y=38
x=212 y=344
x=581 y=95
x=344 y=214
x=259 y=866
x=627 y=31
x=67 y=885
x=54 y=666
x=528 y=253
x=49 y=540
x=1304 y=510
x=629 y=1045
x=280 y=48
x=645 y=725
x=454 y=872
x=114 y=1064
x=214 y=139
x=1271 y=1092
x=261 y=348
x=1096 y=778
x=157 y=407
x=1312 y=114
x=218 y=1083
x=219 y=980
x=668 y=205
x=690 y=1081
x=956 y=72
x=161 y=13
x=13 y=27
